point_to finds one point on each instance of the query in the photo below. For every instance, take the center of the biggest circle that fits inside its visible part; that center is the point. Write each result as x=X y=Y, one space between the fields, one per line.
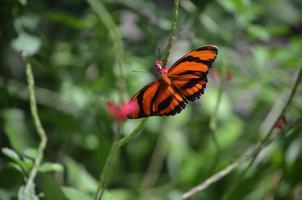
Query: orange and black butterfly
x=184 y=81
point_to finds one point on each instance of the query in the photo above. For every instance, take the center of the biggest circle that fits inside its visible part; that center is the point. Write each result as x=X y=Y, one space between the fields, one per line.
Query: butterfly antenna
x=158 y=54
x=138 y=71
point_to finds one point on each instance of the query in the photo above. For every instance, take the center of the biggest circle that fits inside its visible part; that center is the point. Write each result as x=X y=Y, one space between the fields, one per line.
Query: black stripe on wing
x=140 y=98
x=190 y=58
x=177 y=109
x=168 y=103
x=199 y=92
x=194 y=59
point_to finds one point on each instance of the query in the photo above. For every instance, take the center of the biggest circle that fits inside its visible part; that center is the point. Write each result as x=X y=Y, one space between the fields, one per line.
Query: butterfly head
x=160 y=68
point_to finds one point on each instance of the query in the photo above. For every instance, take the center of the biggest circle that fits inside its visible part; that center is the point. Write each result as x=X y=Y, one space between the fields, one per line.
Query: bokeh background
x=76 y=73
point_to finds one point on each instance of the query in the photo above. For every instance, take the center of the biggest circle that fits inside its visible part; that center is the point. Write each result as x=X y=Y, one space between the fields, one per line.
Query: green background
x=76 y=74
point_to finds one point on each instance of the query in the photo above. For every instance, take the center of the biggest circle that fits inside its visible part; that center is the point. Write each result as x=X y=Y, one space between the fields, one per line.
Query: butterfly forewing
x=189 y=74
x=200 y=59
x=170 y=102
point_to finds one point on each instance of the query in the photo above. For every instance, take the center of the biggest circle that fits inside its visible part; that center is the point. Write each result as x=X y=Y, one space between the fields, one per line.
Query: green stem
x=270 y=132
x=248 y=154
x=172 y=33
x=133 y=133
x=115 y=35
x=213 y=122
x=231 y=167
x=41 y=132
x=107 y=169
x=267 y=136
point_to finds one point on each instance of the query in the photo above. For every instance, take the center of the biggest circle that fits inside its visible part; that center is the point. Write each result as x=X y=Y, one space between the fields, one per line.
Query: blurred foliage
x=73 y=59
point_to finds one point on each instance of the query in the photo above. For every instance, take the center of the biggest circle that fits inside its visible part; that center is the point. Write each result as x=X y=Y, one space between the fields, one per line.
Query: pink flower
x=228 y=75
x=280 y=122
x=121 y=112
x=215 y=74
x=161 y=69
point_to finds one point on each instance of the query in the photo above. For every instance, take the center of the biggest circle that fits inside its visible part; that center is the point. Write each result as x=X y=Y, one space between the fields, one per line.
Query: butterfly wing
x=156 y=99
x=189 y=73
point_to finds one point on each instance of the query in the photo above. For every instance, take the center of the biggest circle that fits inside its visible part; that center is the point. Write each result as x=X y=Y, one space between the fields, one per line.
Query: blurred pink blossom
x=120 y=112
x=215 y=74
x=229 y=75
x=280 y=122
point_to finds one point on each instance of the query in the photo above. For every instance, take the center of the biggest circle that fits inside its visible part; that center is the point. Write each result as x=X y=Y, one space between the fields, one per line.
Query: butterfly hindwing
x=191 y=87
x=170 y=102
x=157 y=99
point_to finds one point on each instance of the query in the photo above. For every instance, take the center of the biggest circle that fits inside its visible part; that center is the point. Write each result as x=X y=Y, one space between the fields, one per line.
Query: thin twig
x=155 y=163
x=41 y=132
x=246 y=156
x=270 y=132
x=213 y=122
x=260 y=145
x=134 y=132
x=156 y=159
x=231 y=167
x=115 y=35
x=107 y=169
x=216 y=177
x=275 y=183
x=172 y=33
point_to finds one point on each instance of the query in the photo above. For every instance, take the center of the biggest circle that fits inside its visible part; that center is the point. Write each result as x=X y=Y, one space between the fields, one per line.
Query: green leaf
x=26 y=44
x=74 y=194
x=68 y=20
x=50 y=187
x=15 y=166
x=79 y=177
x=11 y=154
x=31 y=152
x=23 y=2
x=25 y=164
x=258 y=32
x=51 y=167
x=16 y=130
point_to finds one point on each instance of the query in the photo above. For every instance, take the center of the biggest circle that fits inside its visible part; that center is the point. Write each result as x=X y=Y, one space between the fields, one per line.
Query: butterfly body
x=184 y=81
x=164 y=78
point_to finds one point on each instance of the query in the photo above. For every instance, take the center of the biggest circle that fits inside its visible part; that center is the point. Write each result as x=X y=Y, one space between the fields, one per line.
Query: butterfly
x=184 y=81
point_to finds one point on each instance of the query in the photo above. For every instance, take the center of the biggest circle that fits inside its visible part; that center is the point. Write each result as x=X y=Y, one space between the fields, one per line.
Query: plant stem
x=115 y=35
x=106 y=18
x=216 y=177
x=247 y=155
x=41 y=132
x=133 y=133
x=155 y=163
x=172 y=33
x=270 y=132
x=231 y=167
x=107 y=169
x=213 y=122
